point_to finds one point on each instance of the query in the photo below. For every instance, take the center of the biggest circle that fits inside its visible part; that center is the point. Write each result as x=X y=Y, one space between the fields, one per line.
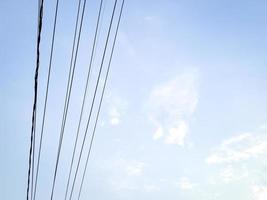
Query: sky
x=184 y=114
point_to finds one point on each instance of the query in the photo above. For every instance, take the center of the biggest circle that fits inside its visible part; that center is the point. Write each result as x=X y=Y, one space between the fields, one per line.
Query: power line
x=96 y=88
x=46 y=97
x=33 y=129
x=34 y=135
x=33 y=156
x=101 y=99
x=84 y=97
x=33 y=150
x=67 y=98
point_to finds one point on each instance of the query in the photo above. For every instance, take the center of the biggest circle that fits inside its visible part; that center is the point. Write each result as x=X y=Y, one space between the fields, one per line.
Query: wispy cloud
x=230 y=173
x=177 y=134
x=171 y=106
x=239 y=162
x=260 y=192
x=128 y=167
x=185 y=184
x=241 y=147
x=158 y=133
x=124 y=174
x=116 y=108
x=135 y=168
x=151 y=188
x=115 y=116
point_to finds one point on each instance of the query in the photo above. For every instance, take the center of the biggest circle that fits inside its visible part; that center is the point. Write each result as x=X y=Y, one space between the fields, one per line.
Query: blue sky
x=184 y=114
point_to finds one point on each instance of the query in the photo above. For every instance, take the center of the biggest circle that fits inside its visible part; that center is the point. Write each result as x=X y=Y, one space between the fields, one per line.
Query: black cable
x=34 y=135
x=84 y=98
x=40 y=18
x=33 y=150
x=46 y=96
x=68 y=94
x=101 y=99
x=96 y=88
x=33 y=155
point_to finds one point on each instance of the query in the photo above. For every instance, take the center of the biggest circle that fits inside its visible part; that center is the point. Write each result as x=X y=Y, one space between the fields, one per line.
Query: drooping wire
x=84 y=97
x=46 y=97
x=33 y=129
x=67 y=99
x=93 y=101
x=101 y=99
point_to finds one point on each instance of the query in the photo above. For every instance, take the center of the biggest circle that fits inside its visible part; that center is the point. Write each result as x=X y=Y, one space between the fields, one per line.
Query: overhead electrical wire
x=67 y=99
x=33 y=149
x=93 y=101
x=34 y=136
x=33 y=156
x=33 y=180
x=84 y=97
x=46 y=97
x=33 y=129
x=101 y=99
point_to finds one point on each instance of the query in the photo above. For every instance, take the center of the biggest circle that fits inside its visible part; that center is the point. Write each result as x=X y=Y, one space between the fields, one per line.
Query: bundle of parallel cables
x=79 y=155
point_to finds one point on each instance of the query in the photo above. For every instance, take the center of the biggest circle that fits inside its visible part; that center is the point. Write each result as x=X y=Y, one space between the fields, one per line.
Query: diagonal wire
x=101 y=99
x=96 y=88
x=67 y=99
x=46 y=97
x=33 y=155
x=34 y=136
x=84 y=98
x=40 y=18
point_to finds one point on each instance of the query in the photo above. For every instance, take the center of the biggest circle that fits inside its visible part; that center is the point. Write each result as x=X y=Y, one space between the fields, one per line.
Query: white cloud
x=260 y=192
x=135 y=168
x=177 y=134
x=230 y=173
x=185 y=184
x=239 y=148
x=151 y=188
x=114 y=121
x=158 y=134
x=214 y=158
x=114 y=115
x=120 y=184
x=116 y=109
x=124 y=167
x=171 y=106
x=236 y=139
x=239 y=162
x=124 y=174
